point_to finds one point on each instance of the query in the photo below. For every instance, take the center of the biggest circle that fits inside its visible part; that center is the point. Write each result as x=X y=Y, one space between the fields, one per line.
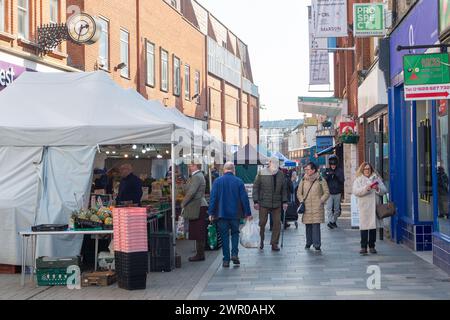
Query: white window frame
x=125 y=44
x=150 y=63
x=25 y=11
x=176 y=76
x=187 y=82
x=104 y=36
x=197 y=86
x=54 y=10
x=164 y=67
x=2 y=16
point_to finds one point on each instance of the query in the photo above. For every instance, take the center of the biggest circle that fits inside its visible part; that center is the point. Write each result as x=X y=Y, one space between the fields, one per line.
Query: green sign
x=426 y=69
x=444 y=16
x=368 y=20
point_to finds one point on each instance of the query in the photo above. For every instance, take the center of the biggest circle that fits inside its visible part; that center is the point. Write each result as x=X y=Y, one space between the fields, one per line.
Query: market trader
x=130 y=189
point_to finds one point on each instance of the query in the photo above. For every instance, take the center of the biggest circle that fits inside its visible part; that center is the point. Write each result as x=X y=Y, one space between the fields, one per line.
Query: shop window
x=54 y=11
x=443 y=168
x=125 y=53
x=23 y=7
x=187 y=82
x=176 y=76
x=2 y=15
x=150 y=64
x=104 y=45
x=164 y=70
x=424 y=163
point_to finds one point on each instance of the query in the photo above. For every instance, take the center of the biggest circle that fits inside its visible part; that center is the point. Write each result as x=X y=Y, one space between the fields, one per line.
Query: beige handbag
x=386 y=210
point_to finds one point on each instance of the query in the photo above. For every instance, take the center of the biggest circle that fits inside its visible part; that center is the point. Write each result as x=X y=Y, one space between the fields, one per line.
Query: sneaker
x=363 y=251
x=307 y=247
x=334 y=225
x=330 y=225
x=226 y=264
x=235 y=261
x=373 y=251
x=317 y=248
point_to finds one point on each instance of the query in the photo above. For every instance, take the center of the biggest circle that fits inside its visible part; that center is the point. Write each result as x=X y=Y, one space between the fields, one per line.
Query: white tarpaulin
x=330 y=18
x=72 y=109
x=319 y=61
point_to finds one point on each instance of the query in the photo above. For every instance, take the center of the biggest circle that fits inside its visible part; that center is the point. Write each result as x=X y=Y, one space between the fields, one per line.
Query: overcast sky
x=276 y=33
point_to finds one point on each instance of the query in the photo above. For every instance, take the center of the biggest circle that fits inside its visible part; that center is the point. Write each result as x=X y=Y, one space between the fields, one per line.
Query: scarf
x=312 y=177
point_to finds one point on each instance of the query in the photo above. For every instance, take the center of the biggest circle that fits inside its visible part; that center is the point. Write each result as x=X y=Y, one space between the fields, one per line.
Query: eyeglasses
x=367 y=169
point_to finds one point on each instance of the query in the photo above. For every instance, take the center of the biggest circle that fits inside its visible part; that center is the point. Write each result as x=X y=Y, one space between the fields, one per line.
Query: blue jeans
x=225 y=225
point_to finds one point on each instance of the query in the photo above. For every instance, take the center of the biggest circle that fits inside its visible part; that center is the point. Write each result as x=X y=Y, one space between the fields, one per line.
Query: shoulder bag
x=301 y=208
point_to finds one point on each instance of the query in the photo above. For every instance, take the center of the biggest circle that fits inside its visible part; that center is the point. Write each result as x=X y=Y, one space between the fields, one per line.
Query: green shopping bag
x=212 y=236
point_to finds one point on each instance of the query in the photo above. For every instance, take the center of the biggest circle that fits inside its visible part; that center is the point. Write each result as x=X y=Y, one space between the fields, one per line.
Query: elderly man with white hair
x=229 y=203
x=269 y=195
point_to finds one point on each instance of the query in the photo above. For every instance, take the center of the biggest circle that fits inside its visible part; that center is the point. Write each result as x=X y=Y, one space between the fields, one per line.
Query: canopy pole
x=174 y=233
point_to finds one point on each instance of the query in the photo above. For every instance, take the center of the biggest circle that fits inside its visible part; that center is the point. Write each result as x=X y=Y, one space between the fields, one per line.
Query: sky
x=276 y=33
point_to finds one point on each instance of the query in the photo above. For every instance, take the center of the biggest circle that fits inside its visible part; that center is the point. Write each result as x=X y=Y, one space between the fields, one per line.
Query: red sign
x=442 y=108
x=427 y=92
x=346 y=127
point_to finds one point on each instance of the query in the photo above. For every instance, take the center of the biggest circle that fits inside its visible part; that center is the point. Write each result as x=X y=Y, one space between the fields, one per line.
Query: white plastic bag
x=250 y=235
x=181 y=228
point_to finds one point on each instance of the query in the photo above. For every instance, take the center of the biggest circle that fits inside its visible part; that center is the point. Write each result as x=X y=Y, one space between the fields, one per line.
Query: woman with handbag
x=368 y=187
x=312 y=194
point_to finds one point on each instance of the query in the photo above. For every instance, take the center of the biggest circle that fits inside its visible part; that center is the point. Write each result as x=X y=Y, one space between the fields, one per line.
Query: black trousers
x=368 y=237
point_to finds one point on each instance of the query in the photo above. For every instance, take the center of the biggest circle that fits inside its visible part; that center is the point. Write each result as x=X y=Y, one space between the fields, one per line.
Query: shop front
x=418 y=146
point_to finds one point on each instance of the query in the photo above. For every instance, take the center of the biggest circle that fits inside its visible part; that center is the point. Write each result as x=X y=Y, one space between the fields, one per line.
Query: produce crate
x=133 y=283
x=52 y=277
x=82 y=224
x=57 y=263
x=9 y=269
x=50 y=227
x=102 y=279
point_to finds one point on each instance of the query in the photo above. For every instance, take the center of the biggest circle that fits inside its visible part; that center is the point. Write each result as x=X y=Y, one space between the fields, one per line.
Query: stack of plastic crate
x=131 y=247
x=161 y=251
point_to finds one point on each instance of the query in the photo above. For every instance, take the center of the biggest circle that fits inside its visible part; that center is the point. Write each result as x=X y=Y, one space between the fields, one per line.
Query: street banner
x=426 y=76
x=330 y=18
x=319 y=61
x=368 y=20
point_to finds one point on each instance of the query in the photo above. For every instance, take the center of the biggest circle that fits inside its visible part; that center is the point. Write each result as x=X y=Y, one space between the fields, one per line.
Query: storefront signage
x=330 y=18
x=368 y=20
x=426 y=76
x=420 y=27
x=346 y=127
x=444 y=16
x=9 y=73
x=319 y=61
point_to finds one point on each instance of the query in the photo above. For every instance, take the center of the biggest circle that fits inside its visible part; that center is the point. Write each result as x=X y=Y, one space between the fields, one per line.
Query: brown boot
x=200 y=256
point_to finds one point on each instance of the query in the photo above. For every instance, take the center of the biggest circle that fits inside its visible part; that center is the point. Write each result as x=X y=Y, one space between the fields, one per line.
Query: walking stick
x=282 y=228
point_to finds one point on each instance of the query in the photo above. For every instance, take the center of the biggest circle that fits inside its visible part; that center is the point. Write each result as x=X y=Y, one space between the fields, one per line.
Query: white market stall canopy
x=74 y=109
x=330 y=107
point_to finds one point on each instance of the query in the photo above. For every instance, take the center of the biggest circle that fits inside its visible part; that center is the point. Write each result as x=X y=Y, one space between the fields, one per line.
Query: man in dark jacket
x=228 y=203
x=130 y=189
x=335 y=180
x=269 y=195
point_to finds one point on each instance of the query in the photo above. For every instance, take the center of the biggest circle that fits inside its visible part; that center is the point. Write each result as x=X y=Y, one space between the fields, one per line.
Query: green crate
x=52 y=277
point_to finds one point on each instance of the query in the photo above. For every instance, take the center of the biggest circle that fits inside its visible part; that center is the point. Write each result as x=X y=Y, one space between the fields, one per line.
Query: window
x=164 y=70
x=187 y=82
x=54 y=11
x=124 y=53
x=176 y=76
x=442 y=168
x=197 y=87
x=104 y=45
x=23 y=18
x=2 y=15
x=150 y=64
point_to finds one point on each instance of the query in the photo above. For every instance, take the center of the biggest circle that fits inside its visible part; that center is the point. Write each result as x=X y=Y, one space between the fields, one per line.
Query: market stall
x=49 y=139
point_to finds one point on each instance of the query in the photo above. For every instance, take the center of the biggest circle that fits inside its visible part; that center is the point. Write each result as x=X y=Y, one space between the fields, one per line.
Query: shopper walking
x=270 y=195
x=335 y=180
x=195 y=208
x=368 y=187
x=229 y=203
x=313 y=191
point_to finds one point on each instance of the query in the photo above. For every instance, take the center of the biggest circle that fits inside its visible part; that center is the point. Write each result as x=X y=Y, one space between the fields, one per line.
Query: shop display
x=96 y=219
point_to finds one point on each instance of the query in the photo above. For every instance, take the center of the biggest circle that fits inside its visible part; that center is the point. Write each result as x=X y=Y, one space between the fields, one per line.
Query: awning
x=330 y=107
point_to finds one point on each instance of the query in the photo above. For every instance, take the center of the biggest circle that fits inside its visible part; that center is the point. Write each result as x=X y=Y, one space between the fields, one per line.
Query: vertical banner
x=330 y=18
x=319 y=62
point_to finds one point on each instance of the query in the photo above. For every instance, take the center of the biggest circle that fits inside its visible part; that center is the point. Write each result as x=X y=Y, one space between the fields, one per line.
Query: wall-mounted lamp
x=166 y=102
x=120 y=66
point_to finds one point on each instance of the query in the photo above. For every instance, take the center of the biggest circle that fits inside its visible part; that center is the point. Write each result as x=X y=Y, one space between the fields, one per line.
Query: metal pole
x=174 y=234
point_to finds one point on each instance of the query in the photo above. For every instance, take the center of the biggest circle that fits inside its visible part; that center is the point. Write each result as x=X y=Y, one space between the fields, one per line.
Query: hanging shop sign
x=8 y=73
x=80 y=28
x=368 y=20
x=444 y=17
x=324 y=143
x=426 y=76
x=319 y=61
x=346 y=127
x=330 y=18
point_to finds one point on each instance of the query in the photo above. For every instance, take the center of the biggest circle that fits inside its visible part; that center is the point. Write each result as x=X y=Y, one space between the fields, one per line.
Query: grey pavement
x=336 y=273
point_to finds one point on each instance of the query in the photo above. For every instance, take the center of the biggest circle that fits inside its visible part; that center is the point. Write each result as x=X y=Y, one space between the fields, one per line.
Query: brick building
x=19 y=20
x=176 y=52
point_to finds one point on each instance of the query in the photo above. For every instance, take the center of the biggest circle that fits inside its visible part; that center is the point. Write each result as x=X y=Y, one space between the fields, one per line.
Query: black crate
x=138 y=282
x=131 y=258
x=57 y=263
x=50 y=227
x=162 y=264
x=160 y=245
x=132 y=269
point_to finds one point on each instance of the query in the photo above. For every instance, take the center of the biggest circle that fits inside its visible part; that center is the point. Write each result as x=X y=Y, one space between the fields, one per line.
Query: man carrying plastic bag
x=228 y=203
x=250 y=235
